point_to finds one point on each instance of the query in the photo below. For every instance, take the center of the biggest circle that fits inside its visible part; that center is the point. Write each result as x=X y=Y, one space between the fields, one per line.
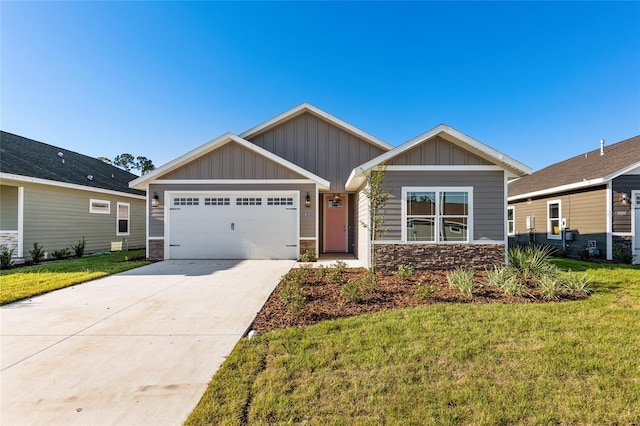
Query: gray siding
x=8 y=208
x=58 y=217
x=623 y=213
x=585 y=210
x=307 y=223
x=319 y=147
x=232 y=161
x=437 y=151
x=488 y=199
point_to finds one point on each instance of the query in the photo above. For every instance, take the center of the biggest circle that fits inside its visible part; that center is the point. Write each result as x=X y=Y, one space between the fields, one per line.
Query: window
x=553 y=220
x=437 y=215
x=240 y=201
x=186 y=201
x=511 y=220
x=122 y=224
x=99 y=206
x=279 y=201
x=213 y=201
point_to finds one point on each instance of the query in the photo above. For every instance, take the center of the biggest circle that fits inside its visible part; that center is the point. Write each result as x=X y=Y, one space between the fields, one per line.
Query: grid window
x=248 y=201
x=275 y=201
x=216 y=201
x=186 y=201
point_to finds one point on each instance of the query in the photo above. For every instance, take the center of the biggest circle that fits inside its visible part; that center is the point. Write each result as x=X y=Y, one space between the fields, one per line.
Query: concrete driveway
x=137 y=348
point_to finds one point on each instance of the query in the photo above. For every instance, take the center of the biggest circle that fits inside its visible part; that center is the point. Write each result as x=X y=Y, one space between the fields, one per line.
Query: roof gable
x=20 y=156
x=182 y=165
x=583 y=170
x=451 y=148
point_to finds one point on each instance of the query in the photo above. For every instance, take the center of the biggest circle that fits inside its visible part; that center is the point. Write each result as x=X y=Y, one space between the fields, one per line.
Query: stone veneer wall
x=9 y=239
x=622 y=242
x=156 y=249
x=439 y=256
x=307 y=245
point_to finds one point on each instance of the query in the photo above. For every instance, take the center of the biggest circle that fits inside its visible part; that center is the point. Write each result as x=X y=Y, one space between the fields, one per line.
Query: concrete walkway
x=137 y=348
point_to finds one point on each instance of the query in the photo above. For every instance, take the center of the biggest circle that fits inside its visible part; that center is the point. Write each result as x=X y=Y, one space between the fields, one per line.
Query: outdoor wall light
x=624 y=198
x=307 y=200
x=337 y=201
x=155 y=201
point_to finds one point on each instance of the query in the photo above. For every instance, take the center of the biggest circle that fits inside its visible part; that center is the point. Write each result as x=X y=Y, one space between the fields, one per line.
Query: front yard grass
x=551 y=363
x=23 y=282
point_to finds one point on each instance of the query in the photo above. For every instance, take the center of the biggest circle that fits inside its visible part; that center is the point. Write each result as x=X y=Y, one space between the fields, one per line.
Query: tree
x=377 y=197
x=144 y=165
x=124 y=161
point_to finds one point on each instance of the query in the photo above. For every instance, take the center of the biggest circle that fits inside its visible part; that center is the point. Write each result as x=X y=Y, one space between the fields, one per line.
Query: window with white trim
x=99 y=206
x=122 y=221
x=554 y=213
x=511 y=220
x=437 y=215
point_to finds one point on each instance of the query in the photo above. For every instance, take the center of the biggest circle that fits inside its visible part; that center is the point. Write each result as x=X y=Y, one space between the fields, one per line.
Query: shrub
x=550 y=286
x=61 y=254
x=291 y=292
x=623 y=256
x=579 y=283
x=423 y=290
x=356 y=288
x=583 y=254
x=321 y=272
x=531 y=262
x=308 y=256
x=37 y=254
x=336 y=273
x=462 y=279
x=404 y=272
x=6 y=257
x=507 y=279
x=79 y=248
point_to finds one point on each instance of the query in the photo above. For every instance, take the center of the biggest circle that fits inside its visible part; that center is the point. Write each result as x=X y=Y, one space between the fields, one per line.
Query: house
x=295 y=183
x=591 y=201
x=55 y=197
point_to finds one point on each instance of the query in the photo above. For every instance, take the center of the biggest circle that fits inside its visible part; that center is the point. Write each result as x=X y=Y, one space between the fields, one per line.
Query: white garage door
x=257 y=225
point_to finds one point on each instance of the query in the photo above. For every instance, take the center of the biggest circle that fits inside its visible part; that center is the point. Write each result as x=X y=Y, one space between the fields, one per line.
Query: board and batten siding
x=586 y=211
x=488 y=199
x=57 y=218
x=8 y=208
x=318 y=146
x=231 y=161
x=437 y=151
x=362 y=234
x=623 y=213
x=307 y=223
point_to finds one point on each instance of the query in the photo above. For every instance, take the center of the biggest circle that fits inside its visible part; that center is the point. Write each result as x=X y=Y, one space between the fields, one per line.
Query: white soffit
x=144 y=180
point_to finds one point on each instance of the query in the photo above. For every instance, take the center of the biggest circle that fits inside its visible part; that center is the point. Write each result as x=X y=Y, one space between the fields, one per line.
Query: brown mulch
x=324 y=302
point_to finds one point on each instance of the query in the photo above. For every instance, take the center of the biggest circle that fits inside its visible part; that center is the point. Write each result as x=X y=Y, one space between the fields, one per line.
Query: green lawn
x=20 y=283
x=553 y=363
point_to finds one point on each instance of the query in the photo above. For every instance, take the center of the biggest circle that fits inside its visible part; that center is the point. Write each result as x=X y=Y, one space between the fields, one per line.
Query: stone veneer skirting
x=156 y=249
x=439 y=256
x=9 y=239
x=307 y=245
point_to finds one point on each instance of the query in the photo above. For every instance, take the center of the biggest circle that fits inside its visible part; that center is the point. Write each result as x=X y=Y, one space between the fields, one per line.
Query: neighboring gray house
x=54 y=197
x=593 y=197
x=295 y=183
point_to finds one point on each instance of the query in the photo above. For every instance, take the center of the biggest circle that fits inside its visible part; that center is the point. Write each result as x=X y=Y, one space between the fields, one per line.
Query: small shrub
x=340 y=266
x=321 y=272
x=550 y=286
x=423 y=290
x=336 y=273
x=404 y=272
x=531 y=262
x=462 y=279
x=291 y=292
x=61 y=254
x=308 y=256
x=583 y=254
x=355 y=289
x=79 y=248
x=6 y=257
x=623 y=256
x=507 y=279
x=37 y=254
x=578 y=283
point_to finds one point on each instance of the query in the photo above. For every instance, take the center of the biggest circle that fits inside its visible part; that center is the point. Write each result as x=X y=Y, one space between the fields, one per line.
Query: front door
x=636 y=235
x=335 y=223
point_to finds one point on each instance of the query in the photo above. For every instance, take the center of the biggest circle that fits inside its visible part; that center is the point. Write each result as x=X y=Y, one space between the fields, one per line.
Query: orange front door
x=335 y=223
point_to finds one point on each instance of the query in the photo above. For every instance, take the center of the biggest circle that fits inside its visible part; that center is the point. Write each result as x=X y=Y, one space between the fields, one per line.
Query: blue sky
x=539 y=81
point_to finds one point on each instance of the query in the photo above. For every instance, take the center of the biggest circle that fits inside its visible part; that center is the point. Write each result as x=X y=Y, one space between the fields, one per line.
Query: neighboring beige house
x=54 y=197
x=295 y=183
x=592 y=199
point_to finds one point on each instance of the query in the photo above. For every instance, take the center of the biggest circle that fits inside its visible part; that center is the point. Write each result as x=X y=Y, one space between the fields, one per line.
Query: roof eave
x=561 y=188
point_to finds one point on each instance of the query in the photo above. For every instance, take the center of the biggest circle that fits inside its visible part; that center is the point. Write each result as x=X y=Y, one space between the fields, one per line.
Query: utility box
x=568 y=236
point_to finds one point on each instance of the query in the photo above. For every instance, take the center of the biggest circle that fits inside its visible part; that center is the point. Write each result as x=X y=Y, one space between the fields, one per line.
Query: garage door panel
x=240 y=226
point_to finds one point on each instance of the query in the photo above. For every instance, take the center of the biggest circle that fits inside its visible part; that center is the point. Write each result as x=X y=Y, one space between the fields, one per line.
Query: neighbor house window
x=511 y=220
x=553 y=220
x=99 y=206
x=122 y=224
x=437 y=215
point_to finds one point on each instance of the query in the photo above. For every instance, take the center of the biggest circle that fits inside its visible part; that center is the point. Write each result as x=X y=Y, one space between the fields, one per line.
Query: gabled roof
x=306 y=107
x=450 y=134
x=584 y=170
x=24 y=159
x=145 y=179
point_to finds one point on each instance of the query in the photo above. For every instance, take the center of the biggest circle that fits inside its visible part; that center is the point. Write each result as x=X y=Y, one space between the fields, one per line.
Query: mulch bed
x=324 y=302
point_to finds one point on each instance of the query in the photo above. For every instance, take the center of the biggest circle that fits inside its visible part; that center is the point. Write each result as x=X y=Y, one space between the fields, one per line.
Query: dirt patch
x=324 y=301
